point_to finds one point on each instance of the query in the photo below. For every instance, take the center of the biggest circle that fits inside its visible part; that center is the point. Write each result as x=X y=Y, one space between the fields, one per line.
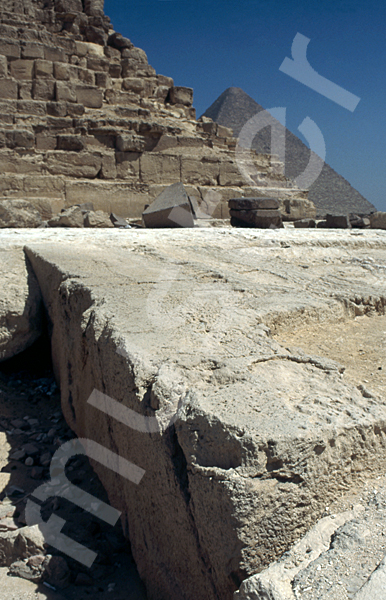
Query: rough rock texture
x=341 y=558
x=18 y=213
x=83 y=116
x=330 y=192
x=265 y=436
x=378 y=220
x=21 y=308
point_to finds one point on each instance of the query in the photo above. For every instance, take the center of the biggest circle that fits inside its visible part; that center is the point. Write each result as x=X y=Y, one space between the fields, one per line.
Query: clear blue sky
x=211 y=45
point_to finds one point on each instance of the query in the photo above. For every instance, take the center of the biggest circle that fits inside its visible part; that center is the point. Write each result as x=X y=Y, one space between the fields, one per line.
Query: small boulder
x=97 y=219
x=170 y=209
x=69 y=217
x=56 y=571
x=18 y=213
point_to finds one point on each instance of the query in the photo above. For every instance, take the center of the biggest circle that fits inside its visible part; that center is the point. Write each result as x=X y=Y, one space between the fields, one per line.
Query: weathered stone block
x=109 y=168
x=8 y=89
x=130 y=143
x=165 y=81
x=181 y=95
x=134 y=84
x=25 y=90
x=57 y=109
x=43 y=89
x=43 y=68
x=22 y=69
x=73 y=143
x=74 y=164
x=378 y=220
x=230 y=174
x=18 y=213
x=112 y=53
x=96 y=35
x=38 y=186
x=136 y=54
x=98 y=219
x=89 y=96
x=338 y=222
x=70 y=217
x=65 y=92
x=55 y=54
x=116 y=40
x=170 y=209
x=127 y=165
x=69 y=6
x=198 y=172
x=3 y=66
x=253 y=203
x=81 y=48
x=31 y=50
x=224 y=131
x=86 y=76
x=20 y=138
x=74 y=109
x=32 y=107
x=103 y=80
x=61 y=71
x=10 y=48
x=297 y=208
x=98 y=63
x=161 y=92
x=115 y=70
x=160 y=168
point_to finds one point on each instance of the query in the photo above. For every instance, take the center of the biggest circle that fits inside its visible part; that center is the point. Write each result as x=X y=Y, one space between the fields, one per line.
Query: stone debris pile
x=255 y=212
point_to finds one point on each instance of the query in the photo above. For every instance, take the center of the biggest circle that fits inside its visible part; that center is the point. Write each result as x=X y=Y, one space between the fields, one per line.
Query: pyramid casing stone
x=170 y=209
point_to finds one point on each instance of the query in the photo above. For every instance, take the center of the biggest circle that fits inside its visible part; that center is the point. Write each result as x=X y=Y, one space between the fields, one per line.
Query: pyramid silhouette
x=331 y=193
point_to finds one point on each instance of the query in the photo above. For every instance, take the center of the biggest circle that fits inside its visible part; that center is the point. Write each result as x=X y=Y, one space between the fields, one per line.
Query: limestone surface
x=21 y=308
x=162 y=346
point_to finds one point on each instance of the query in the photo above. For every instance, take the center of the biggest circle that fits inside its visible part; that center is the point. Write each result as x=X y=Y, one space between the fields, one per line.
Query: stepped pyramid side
x=84 y=117
x=331 y=193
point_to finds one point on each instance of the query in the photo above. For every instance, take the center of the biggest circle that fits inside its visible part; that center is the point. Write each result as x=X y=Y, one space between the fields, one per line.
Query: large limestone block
x=158 y=168
x=8 y=89
x=171 y=208
x=181 y=95
x=74 y=164
x=247 y=441
x=21 y=308
x=91 y=97
x=378 y=220
x=293 y=209
x=22 y=69
x=197 y=172
x=18 y=213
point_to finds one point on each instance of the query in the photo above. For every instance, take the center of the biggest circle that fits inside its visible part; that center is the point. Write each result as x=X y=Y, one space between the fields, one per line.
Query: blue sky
x=212 y=45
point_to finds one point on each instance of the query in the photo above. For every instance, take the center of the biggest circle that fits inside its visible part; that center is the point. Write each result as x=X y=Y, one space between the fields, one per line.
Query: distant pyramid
x=331 y=193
